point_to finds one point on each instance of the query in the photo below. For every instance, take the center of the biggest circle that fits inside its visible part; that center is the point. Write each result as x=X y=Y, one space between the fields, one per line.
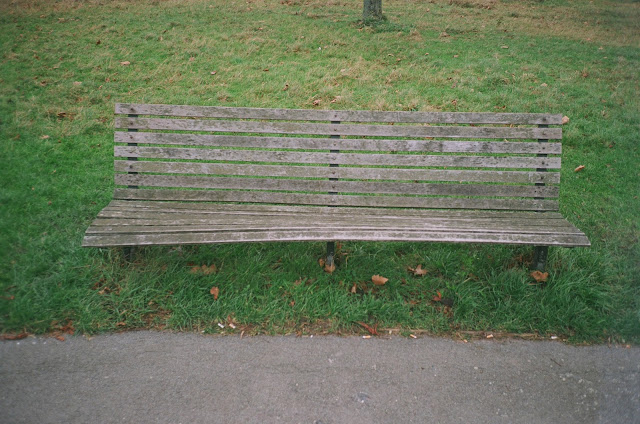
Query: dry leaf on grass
x=418 y=271
x=125 y=63
x=437 y=297
x=565 y=120
x=379 y=280
x=539 y=276
x=372 y=330
x=13 y=336
x=215 y=292
x=578 y=169
x=330 y=268
x=354 y=288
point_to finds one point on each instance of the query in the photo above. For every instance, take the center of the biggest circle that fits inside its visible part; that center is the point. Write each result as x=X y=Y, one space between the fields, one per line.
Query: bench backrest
x=339 y=158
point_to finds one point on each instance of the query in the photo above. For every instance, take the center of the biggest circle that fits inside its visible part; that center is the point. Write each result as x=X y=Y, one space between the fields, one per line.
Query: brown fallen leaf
x=125 y=63
x=539 y=276
x=19 y=336
x=321 y=262
x=418 y=271
x=379 y=280
x=354 y=288
x=61 y=338
x=286 y=87
x=44 y=137
x=330 y=268
x=316 y=102
x=437 y=297
x=372 y=330
x=565 y=120
x=215 y=292
x=578 y=169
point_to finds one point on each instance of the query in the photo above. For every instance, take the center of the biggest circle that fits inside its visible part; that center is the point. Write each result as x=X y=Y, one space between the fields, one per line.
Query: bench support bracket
x=540 y=258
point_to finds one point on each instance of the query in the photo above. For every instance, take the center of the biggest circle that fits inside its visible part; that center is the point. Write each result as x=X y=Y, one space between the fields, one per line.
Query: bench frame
x=197 y=174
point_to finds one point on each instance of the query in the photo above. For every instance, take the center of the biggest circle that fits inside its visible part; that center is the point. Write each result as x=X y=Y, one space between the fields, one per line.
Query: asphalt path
x=155 y=377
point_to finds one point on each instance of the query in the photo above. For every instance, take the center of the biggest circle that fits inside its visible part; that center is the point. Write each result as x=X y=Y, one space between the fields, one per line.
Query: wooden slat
x=331 y=235
x=339 y=115
x=337 y=129
x=333 y=172
x=297 y=210
x=337 y=158
x=231 y=221
x=435 y=146
x=338 y=200
x=213 y=227
x=336 y=186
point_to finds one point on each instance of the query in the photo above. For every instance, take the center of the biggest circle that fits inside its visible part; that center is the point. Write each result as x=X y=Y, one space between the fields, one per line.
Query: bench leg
x=331 y=251
x=128 y=253
x=540 y=258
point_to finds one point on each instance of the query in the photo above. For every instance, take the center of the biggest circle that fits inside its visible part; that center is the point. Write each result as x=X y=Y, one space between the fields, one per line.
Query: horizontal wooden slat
x=297 y=210
x=338 y=158
x=435 y=146
x=339 y=115
x=366 y=187
x=337 y=200
x=338 y=172
x=337 y=129
x=332 y=235
x=142 y=218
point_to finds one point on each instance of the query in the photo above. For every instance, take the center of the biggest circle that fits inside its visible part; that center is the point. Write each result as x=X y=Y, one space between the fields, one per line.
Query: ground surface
x=187 y=378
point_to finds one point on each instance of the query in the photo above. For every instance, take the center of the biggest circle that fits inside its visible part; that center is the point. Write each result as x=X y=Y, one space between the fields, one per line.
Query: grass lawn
x=64 y=63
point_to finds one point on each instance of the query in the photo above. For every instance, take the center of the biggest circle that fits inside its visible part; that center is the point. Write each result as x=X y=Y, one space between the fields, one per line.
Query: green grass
x=61 y=72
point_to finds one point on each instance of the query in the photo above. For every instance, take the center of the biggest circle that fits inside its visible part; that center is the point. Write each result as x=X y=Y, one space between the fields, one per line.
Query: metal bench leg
x=128 y=253
x=540 y=258
x=331 y=251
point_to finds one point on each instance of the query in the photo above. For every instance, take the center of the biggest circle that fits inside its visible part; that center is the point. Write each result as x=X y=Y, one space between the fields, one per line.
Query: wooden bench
x=196 y=174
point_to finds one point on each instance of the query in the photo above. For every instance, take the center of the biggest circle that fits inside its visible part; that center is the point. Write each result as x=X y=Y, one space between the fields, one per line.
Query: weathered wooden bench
x=196 y=174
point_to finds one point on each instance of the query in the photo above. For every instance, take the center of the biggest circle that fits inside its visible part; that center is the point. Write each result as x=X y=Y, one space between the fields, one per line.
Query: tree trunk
x=372 y=10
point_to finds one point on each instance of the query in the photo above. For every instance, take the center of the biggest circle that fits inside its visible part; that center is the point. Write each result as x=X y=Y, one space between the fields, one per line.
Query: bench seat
x=139 y=223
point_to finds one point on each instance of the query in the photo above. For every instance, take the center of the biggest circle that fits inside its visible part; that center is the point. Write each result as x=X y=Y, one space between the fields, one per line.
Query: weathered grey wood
x=339 y=213
x=226 y=222
x=338 y=158
x=220 y=188
x=336 y=186
x=338 y=200
x=329 y=235
x=492 y=176
x=340 y=115
x=435 y=146
x=337 y=129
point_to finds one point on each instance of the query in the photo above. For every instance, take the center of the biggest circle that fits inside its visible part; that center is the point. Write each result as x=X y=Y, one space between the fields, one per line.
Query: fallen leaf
x=213 y=72
x=266 y=69
x=565 y=120
x=578 y=169
x=19 y=336
x=418 y=271
x=77 y=83
x=214 y=292
x=455 y=55
x=316 y=102
x=372 y=330
x=379 y=280
x=44 y=137
x=539 y=276
x=437 y=297
x=504 y=47
x=61 y=338
x=330 y=268
x=98 y=43
x=286 y=87
x=321 y=262
x=125 y=63
x=489 y=336
x=354 y=288
x=544 y=84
